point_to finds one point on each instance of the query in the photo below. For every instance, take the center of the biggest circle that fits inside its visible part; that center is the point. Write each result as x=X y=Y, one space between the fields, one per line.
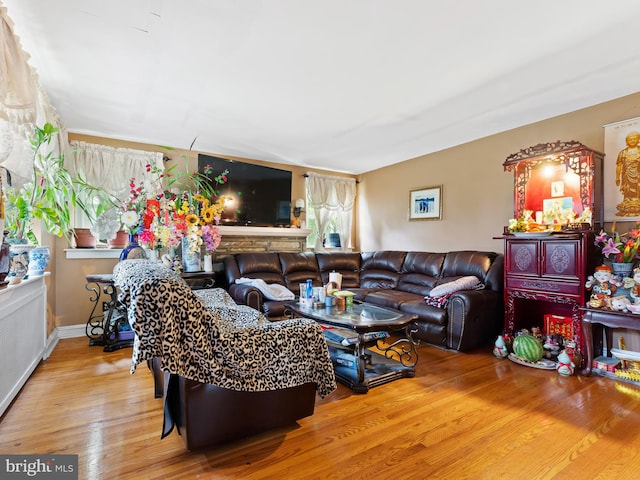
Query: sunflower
x=192 y=220
x=208 y=214
x=203 y=200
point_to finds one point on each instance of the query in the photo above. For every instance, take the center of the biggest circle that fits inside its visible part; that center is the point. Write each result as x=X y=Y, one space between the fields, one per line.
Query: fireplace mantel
x=264 y=231
x=234 y=240
x=262 y=239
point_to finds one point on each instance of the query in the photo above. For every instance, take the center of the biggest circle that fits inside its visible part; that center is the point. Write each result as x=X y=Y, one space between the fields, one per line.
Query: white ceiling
x=344 y=85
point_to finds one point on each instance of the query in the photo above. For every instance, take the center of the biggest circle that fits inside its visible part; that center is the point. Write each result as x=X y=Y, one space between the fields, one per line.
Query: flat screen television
x=260 y=196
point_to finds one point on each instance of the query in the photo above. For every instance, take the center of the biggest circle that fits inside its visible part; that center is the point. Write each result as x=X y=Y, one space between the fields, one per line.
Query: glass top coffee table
x=356 y=337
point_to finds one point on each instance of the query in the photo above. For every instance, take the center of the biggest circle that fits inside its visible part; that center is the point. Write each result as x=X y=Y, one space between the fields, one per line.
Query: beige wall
x=477 y=192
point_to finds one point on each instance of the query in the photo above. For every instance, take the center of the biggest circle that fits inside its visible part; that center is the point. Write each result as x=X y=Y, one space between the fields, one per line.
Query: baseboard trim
x=68 y=331
x=71 y=331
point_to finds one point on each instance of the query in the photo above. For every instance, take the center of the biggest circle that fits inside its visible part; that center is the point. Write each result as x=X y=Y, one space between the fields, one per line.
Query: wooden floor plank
x=463 y=416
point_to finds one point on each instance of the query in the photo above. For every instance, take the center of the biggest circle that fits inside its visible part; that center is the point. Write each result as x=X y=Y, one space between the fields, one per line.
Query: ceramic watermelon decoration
x=528 y=348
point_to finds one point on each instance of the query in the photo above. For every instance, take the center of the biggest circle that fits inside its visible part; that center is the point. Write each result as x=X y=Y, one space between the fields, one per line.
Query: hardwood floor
x=463 y=416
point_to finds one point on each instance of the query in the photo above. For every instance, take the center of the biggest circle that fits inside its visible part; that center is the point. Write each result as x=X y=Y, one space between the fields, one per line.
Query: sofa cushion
x=361 y=293
x=346 y=264
x=420 y=272
x=260 y=265
x=297 y=268
x=426 y=312
x=390 y=298
x=424 y=263
x=464 y=263
x=381 y=269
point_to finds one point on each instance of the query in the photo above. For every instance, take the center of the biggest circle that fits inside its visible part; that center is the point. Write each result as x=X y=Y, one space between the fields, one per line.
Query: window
x=110 y=169
x=330 y=203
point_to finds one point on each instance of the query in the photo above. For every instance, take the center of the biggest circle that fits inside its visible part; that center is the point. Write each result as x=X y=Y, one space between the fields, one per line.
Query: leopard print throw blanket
x=205 y=336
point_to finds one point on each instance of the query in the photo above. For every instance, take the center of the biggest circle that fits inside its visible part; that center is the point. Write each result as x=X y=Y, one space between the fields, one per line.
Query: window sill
x=83 y=253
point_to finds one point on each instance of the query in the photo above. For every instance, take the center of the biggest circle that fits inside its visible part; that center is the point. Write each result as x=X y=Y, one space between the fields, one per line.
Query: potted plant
x=51 y=194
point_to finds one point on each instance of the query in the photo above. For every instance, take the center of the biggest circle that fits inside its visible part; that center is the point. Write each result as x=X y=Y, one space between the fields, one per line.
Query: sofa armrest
x=473 y=318
x=247 y=295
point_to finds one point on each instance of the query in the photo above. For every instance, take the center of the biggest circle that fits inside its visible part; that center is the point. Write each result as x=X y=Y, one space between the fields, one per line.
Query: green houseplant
x=51 y=195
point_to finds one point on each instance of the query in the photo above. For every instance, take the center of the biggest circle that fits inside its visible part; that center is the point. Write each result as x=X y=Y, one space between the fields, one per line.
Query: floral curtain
x=331 y=197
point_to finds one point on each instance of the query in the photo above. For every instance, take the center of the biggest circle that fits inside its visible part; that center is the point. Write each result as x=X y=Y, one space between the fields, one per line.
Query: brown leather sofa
x=395 y=279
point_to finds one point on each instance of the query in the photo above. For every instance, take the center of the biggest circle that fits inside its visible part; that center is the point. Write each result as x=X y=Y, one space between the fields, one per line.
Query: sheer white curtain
x=331 y=198
x=111 y=168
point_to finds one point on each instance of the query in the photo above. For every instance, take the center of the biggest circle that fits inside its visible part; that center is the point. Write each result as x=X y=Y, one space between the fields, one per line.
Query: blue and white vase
x=190 y=258
x=38 y=260
x=19 y=260
x=622 y=269
x=133 y=249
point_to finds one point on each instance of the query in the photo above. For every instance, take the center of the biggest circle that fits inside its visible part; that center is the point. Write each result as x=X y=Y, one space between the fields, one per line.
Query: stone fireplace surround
x=234 y=240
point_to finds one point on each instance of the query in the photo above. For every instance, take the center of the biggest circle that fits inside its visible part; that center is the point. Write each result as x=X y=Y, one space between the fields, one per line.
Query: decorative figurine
x=565 y=366
x=586 y=216
x=602 y=285
x=634 y=308
x=634 y=290
x=500 y=348
x=574 y=354
x=620 y=304
x=552 y=345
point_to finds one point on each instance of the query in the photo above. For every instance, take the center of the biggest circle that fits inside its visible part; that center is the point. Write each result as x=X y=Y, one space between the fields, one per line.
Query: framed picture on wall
x=621 y=182
x=425 y=203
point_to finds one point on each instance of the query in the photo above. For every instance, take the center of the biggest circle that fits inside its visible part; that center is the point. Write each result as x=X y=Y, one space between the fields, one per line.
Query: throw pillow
x=470 y=282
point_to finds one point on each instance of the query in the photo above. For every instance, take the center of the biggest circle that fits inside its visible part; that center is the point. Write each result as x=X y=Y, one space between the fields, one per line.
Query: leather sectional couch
x=396 y=279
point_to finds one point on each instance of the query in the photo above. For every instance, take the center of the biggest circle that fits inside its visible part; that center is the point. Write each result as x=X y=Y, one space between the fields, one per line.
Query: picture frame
x=425 y=203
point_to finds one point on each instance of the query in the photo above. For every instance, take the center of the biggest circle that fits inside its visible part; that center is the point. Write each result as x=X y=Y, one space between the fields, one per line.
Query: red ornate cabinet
x=560 y=185
x=546 y=275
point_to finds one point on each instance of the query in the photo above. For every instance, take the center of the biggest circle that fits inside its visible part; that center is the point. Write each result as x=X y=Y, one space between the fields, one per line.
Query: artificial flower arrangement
x=161 y=216
x=623 y=246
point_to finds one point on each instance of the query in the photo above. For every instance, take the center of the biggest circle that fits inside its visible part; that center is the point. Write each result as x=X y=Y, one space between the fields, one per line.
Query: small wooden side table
x=607 y=320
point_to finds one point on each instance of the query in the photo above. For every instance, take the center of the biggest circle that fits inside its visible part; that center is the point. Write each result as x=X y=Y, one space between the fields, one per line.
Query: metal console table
x=107 y=325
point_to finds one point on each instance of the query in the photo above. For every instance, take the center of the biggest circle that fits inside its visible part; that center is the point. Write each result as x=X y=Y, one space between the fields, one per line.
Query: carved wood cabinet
x=560 y=185
x=546 y=275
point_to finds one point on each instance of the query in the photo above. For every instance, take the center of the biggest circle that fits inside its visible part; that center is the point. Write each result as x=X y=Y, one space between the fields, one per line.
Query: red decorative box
x=607 y=364
x=558 y=325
